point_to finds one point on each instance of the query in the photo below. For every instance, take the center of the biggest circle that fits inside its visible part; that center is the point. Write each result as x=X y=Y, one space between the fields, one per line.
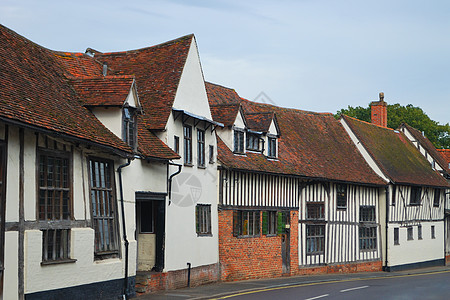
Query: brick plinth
x=253 y=257
x=149 y=282
x=372 y=266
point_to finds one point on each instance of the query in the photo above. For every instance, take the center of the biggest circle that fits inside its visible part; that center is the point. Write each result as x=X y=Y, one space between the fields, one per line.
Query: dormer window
x=271 y=146
x=129 y=126
x=238 y=141
x=252 y=141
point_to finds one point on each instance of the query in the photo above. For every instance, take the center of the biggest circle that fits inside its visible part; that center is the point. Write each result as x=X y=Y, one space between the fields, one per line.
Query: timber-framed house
x=311 y=205
x=413 y=211
x=439 y=162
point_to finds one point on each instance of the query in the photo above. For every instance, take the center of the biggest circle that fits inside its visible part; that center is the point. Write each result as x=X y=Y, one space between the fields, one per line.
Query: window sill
x=271 y=235
x=367 y=250
x=341 y=208
x=414 y=204
x=247 y=236
x=238 y=153
x=204 y=235
x=58 y=262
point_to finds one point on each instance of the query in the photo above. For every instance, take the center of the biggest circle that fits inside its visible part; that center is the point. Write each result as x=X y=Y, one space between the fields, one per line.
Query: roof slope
x=224 y=103
x=313 y=145
x=259 y=121
x=103 y=90
x=395 y=154
x=34 y=91
x=425 y=142
x=445 y=154
x=157 y=71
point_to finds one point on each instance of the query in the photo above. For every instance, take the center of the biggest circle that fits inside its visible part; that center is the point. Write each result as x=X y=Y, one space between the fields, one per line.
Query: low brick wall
x=254 y=257
x=372 y=266
x=149 y=282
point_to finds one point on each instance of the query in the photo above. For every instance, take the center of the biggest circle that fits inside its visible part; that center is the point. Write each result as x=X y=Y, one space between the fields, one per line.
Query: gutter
x=124 y=229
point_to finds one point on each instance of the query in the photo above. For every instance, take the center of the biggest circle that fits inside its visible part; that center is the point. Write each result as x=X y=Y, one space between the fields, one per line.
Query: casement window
x=419 y=232
x=129 y=126
x=274 y=222
x=367 y=228
x=341 y=196
x=433 y=232
x=201 y=147
x=176 y=144
x=55 y=246
x=238 y=141
x=414 y=198
x=437 y=197
x=211 y=154
x=54 y=185
x=410 y=233
x=103 y=207
x=54 y=203
x=246 y=223
x=315 y=239
x=315 y=211
x=271 y=147
x=187 y=133
x=396 y=236
x=203 y=219
x=252 y=141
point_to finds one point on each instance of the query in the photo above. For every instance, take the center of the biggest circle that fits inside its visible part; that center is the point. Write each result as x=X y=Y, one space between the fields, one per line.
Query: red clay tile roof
x=425 y=142
x=157 y=71
x=224 y=103
x=35 y=92
x=103 y=90
x=445 y=154
x=312 y=145
x=152 y=147
x=259 y=121
x=78 y=64
x=396 y=156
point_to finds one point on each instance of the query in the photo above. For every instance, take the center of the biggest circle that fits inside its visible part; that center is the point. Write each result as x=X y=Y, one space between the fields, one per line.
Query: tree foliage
x=414 y=116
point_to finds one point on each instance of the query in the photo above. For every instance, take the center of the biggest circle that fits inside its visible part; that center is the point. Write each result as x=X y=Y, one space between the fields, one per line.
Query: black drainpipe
x=387 y=222
x=171 y=176
x=124 y=229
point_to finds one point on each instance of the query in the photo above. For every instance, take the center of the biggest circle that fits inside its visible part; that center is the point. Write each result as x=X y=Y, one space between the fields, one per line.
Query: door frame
x=160 y=230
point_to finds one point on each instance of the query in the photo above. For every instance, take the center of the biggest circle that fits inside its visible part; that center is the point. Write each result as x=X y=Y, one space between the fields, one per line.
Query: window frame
x=201 y=161
x=433 y=232
x=253 y=219
x=113 y=229
x=368 y=228
x=187 y=144
x=410 y=233
x=315 y=243
x=252 y=141
x=341 y=195
x=63 y=247
x=211 y=154
x=315 y=211
x=415 y=196
x=272 y=147
x=203 y=220
x=176 y=144
x=129 y=126
x=238 y=136
x=437 y=197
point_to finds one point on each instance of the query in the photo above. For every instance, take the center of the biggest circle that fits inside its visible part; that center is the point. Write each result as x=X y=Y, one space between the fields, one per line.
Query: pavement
x=221 y=289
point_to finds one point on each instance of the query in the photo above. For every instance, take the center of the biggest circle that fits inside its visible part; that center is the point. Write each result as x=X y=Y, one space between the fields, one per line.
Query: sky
x=315 y=55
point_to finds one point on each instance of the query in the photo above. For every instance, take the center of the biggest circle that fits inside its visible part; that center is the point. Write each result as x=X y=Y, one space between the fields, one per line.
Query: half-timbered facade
x=439 y=162
x=413 y=212
x=280 y=209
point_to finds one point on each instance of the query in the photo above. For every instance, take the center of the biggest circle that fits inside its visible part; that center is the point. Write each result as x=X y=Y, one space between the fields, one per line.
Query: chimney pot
x=381 y=96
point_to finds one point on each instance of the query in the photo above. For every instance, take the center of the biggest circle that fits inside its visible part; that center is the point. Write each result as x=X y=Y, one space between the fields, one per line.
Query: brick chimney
x=379 y=111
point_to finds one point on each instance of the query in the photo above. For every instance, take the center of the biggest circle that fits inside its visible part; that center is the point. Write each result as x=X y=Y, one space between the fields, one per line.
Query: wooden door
x=285 y=253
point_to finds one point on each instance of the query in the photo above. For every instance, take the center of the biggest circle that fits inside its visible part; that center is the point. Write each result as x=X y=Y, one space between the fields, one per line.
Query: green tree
x=414 y=116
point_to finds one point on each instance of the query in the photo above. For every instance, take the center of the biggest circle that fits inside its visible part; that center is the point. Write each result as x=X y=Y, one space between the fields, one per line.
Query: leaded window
x=187 y=133
x=238 y=141
x=315 y=211
x=203 y=219
x=415 y=195
x=201 y=147
x=129 y=126
x=252 y=141
x=367 y=228
x=55 y=246
x=315 y=239
x=341 y=196
x=103 y=205
x=272 y=147
x=246 y=223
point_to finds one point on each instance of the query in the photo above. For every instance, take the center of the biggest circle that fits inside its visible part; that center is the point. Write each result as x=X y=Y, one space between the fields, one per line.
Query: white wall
x=416 y=250
x=111 y=118
x=11 y=277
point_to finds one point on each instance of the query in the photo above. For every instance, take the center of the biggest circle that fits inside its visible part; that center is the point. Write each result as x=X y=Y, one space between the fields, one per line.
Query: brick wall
x=447 y=260
x=253 y=257
x=379 y=113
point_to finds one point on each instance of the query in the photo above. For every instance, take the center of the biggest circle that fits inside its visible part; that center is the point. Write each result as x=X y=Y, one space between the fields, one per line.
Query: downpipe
x=189 y=275
x=124 y=229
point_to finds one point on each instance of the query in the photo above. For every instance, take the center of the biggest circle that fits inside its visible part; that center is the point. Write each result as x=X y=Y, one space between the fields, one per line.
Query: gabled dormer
x=262 y=133
x=114 y=101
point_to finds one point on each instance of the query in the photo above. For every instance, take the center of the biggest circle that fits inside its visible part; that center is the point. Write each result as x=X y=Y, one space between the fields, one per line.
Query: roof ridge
x=161 y=45
x=369 y=123
x=84 y=77
x=219 y=85
x=287 y=108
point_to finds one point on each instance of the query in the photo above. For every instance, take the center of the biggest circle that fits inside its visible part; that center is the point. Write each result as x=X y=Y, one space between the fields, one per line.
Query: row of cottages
x=439 y=160
x=108 y=171
x=295 y=195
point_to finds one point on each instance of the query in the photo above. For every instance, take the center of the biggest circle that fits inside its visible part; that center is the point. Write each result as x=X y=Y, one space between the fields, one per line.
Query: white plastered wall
x=416 y=251
x=111 y=118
